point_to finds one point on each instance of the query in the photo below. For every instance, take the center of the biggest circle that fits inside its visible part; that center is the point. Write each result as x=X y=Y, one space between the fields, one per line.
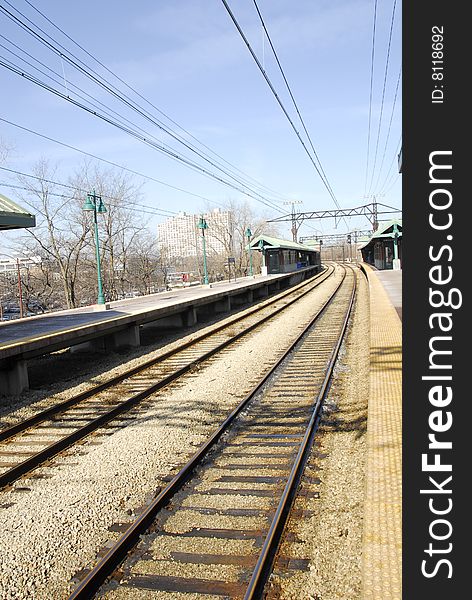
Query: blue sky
x=186 y=57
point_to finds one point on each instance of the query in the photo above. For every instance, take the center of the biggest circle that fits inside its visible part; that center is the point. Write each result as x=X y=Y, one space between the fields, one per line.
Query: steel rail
x=263 y=566
x=11 y=475
x=44 y=415
x=92 y=582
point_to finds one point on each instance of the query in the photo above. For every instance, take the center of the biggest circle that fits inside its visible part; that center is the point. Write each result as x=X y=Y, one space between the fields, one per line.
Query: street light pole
x=202 y=224
x=249 y=233
x=20 y=290
x=94 y=203
x=396 y=261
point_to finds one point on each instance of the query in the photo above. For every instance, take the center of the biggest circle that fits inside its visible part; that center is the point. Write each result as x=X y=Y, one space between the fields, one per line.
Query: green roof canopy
x=13 y=216
x=386 y=230
x=275 y=243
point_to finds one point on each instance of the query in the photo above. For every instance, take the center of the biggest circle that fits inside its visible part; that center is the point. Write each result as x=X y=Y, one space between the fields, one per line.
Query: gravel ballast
x=330 y=535
x=57 y=527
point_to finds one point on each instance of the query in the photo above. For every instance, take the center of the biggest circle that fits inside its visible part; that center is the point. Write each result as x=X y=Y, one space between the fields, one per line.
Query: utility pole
x=396 y=261
x=94 y=203
x=375 y=218
x=294 y=219
x=20 y=290
x=248 y=234
x=202 y=224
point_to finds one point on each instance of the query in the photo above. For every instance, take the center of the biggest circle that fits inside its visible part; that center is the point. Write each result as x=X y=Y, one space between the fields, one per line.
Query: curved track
x=216 y=526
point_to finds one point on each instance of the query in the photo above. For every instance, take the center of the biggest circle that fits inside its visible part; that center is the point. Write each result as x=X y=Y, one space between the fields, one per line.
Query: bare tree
x=119 y=226
x=5 y=150
x=145 y=263
x=232 y=234
x=60 y=232
x=163 y=265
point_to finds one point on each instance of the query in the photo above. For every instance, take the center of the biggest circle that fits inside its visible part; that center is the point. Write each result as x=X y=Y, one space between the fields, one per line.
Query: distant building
x=180 y=237
x=13 y=264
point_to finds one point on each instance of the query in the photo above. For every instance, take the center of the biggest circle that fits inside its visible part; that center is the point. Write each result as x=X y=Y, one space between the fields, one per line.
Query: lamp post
x=95 y=203
x=248 y=234
x=395 y=241
x=202 y=224
x=396 y=262
x=20 y=290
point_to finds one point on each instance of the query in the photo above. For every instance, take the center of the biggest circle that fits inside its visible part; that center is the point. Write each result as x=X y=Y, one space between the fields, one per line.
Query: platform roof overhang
x=275 y=243
x=13 y=216
x=387 y=230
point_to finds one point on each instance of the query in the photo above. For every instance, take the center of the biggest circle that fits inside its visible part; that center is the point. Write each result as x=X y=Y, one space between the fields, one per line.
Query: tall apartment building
x=180 y=237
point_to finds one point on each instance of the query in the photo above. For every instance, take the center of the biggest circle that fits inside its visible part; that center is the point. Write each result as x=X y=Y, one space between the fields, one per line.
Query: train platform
x=392 y=283
x=382 y=538
x=117 y=324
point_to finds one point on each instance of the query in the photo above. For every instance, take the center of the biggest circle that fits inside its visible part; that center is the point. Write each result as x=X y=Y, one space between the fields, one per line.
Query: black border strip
x=435 y=121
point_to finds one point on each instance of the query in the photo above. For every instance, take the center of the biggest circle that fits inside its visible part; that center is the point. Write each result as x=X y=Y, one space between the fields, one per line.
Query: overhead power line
x=83 y=95
x=133 y=133
x=160 y=211
x=130 y=104
x=387 y=61
x=147 y=101
x=392 y=184
x=291 y=94
x=109 y=162
x=269 y=83
x=388 y=177
x=107 y=111
x=370 y=98
x=66 y=197
x=389 y=129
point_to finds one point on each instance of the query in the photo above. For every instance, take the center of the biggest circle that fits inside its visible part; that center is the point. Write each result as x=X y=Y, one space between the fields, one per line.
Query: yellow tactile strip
x=382 y=543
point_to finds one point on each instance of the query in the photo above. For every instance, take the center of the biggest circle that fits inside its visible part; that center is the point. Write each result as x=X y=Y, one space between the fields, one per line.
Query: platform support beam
x=14 y=378
x=189 y=317
x=262 y=292
x=126 y=338
x=223 y=305
x=95 y=345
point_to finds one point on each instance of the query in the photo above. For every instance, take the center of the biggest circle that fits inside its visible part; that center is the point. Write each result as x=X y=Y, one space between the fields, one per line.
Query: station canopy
x=386 y=230
x=13 y=216
x=266 y=242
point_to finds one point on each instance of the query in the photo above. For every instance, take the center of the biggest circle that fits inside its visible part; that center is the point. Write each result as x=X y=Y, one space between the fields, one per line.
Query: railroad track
x=34 y=441
x=215 y=528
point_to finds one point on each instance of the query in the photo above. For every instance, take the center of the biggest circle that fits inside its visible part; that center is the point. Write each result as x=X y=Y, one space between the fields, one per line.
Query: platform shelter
x=13 y=216
x=283 y=256
x=383 y=250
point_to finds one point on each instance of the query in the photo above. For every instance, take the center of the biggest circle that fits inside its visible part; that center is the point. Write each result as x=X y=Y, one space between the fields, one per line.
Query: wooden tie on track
x=52 y=431
x=217 y=532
